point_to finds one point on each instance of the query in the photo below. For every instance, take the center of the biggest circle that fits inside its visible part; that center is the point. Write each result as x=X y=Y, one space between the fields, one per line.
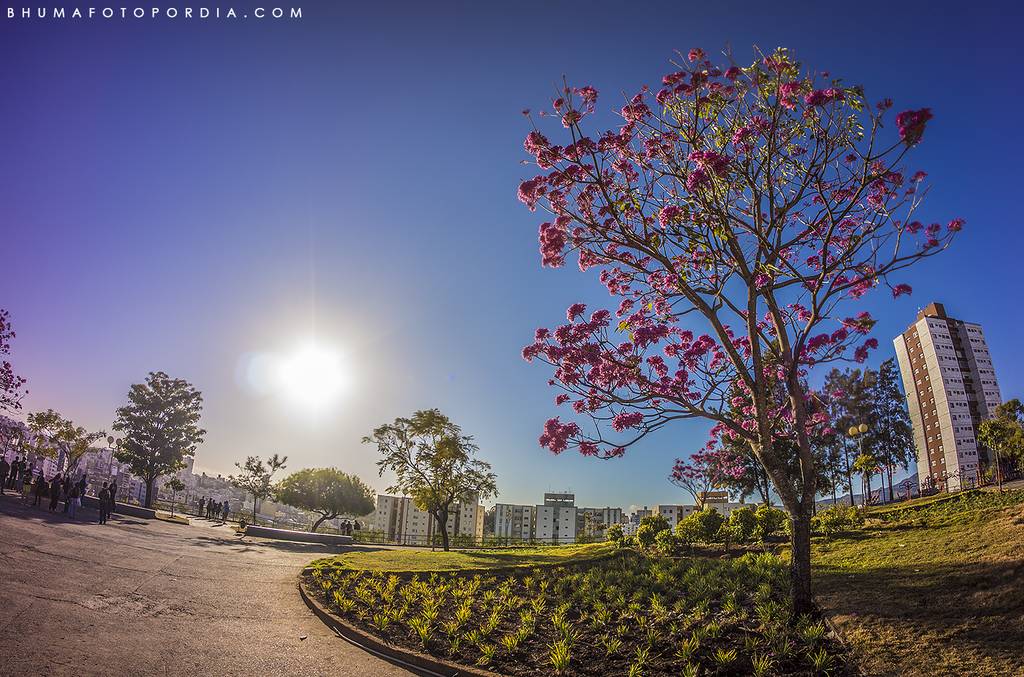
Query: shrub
x=615 y=534
x=743 y=522
x=665 y=542
x=702 y=526
x=836 y=520
x=649 y=528
x=769 y=521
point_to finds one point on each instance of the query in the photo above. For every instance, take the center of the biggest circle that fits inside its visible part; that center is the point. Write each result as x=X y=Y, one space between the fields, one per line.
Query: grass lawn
x=933 y=591
x=409 y=559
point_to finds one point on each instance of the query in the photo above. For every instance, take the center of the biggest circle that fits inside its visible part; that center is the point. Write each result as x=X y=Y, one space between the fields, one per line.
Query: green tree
x=12 y=386
x=159 y=427
x=1004 y=435
x=56 y=434
x=175 y=485
x=702 y=526
x=615 y=534
x=256 y=478
x=867 y=465
x=328 y=492
x=891 y=436
x=434 y=464
x=769 y=521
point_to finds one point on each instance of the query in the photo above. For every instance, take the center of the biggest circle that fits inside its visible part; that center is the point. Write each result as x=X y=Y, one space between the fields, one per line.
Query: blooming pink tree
x=12 y=386
x=701 y=473
x=735 y=214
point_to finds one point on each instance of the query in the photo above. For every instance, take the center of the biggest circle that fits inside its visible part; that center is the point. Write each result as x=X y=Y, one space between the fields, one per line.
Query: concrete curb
x=298 y=536
x=420 y=663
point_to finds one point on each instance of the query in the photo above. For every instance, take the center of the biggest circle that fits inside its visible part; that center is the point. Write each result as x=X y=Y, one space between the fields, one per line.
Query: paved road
x=137 y=597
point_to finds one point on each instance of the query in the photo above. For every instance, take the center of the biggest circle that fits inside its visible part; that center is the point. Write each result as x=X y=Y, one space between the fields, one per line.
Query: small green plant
x=421 y=626
x=487 y=654
x=560 y=655
x=814 y=633
x=821 y=660
x=688 y=649
x=612 y=645
x=762 y=664
x=724 y=657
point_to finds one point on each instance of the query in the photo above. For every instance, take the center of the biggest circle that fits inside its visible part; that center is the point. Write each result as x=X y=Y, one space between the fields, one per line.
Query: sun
x=313 y=377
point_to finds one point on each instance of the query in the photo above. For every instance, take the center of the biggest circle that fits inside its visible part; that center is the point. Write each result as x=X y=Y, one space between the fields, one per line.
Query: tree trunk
x=320 y=521
x=442 y=525
x=254 y=509
x=800 y=563
x=891 y=496
x=149 y=493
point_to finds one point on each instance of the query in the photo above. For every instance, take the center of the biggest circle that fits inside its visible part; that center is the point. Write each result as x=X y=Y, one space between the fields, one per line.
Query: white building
x=594 y=522
x=514 y=522
x=951 y=388
x=399 y=520
x=555 y=521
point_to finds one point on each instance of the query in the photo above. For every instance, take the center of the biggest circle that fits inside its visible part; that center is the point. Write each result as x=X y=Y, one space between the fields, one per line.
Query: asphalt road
x=137 y=597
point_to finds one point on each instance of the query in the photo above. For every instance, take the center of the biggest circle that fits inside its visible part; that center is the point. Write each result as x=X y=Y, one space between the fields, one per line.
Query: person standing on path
x=81 y=486
x=5 y=470
x=39 y=489
x=104 y=503
x=201 y=502
x=113 y=497
x=65 y=491
x=55 y=489
x=74 y=500
x=226 y=510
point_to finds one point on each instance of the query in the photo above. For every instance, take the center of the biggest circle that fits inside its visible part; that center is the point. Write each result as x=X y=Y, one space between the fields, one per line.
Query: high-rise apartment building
x=514 y=522
x=951 y=387
x=555 y=521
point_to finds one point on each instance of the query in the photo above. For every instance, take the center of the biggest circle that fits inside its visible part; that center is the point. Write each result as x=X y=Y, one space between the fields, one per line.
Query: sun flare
x=313 y=377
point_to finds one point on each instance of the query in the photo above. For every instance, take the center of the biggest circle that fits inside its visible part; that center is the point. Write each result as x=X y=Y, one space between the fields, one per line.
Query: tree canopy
x=159 y=427
x=736 y=214
x=1004 y=435
x=329 y=492
x=433 y=463
x=56 y=434
x=256 y=478
x=12 y=386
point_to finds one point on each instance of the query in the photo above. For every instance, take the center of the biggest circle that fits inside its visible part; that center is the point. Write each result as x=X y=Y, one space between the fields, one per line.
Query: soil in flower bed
x=629 y=615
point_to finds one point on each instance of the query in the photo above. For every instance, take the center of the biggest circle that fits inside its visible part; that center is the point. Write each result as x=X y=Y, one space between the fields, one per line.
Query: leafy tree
x=665 y=542
x=867 y=465
x=892 y=435
x=615 y=534
x=175 y=485
x=836 y=520
x=696 y=476
x=328 y=492
x=848 y=404
x=1004 y=435
x=434 y=464
x=753 y=204
x=56 y=434
x=256 y=478
x=12 y=386
x=160 y=427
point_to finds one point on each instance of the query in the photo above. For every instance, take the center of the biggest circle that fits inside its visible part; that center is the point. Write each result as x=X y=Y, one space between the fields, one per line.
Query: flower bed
x=630 y=615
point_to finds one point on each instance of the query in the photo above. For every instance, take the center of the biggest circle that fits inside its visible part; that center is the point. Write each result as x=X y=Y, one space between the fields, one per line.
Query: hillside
x=934 y=590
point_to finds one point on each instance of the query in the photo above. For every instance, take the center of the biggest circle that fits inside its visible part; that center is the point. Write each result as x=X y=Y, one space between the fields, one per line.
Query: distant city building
x=951 y=388
x=594 y=522
x=514 y=522
x=399 y=520
x=673 y=513
x=555 y=520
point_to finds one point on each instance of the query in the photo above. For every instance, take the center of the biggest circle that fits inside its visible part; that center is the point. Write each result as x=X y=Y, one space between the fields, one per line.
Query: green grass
x=933 y=589
x=400 y=559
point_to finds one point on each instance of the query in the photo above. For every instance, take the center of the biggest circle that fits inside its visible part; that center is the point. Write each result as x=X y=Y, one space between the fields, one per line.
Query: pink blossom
x=630 y=419
x=575 y=310
x=695 y=54
x=911 y=124
x=900 y=290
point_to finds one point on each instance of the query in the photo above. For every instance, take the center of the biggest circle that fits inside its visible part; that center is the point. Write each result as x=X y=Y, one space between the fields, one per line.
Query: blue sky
x=176 y=195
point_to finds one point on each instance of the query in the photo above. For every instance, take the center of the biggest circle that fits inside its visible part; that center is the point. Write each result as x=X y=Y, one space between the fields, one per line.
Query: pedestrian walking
x=81 y=485
x=104 y=498
x=5 y=470
x=226 y=509
x=18 y=481
x=201 y=502
x=55 y=489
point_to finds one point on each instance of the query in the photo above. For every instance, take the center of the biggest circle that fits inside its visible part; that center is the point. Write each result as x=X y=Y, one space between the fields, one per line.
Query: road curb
x=420 y=663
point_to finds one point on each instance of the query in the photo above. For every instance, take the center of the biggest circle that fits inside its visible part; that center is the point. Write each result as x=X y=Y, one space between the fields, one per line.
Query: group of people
x=20 y=476
x=214 y=509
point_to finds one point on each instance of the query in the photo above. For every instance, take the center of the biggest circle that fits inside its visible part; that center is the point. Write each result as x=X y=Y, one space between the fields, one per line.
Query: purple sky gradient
x=176 y=195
